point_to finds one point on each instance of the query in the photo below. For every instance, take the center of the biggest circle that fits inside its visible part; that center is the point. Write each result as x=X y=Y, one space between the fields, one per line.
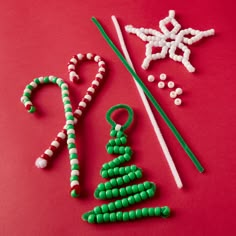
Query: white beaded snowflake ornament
x=169 y=41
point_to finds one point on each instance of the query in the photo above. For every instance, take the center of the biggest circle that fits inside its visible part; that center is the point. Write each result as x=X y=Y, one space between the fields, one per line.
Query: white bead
x=41 y=79
x=49 y=152
x=61 y=135
x=80 y=56
x=173 y=94
x=74 y=161
x=179 y=91
x=100 y=63
x=75 y=120
x=79 y=112
x=41 y=163
x=69 y=122
x=74 y=172
x=82 y=104
x=118 y=127
x=97 y=58
x=98 y=75
x=73 y=150
x=55 y=144
x=95 y=82
x=151 y=78
x=73 y=60
x=89 y=56
x=171 y=84
x=90 y=89
x=162 y=76
x=101 y=69
x=33 y=84
x=73 y=183
x=178 y=101
x=71 y=131
x=71 y=67
x=88 y=97
x=70 y=140
x=161 y=84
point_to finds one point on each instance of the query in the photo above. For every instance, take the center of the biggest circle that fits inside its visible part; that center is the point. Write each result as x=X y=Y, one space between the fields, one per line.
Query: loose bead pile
x=169 y=41
x=119 y=176
x=69 y=127
x=72 y=65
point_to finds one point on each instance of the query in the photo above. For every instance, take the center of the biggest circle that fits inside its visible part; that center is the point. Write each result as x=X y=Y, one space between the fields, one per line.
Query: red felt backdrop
x=38 y=38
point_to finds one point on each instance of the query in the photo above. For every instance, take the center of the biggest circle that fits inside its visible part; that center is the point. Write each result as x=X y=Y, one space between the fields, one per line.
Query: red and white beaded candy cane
x=69 y=127
x=43 y=160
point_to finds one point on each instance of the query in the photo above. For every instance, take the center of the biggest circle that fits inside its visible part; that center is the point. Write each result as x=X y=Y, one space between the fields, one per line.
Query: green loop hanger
x=117 y=107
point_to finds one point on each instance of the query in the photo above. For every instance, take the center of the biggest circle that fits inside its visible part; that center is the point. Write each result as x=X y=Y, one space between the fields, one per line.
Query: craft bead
x=178 y=101
x=171 y=84
x=173 y=94
x=179 y=91
x=151 y=78
x=161 y=85
x=162 y=76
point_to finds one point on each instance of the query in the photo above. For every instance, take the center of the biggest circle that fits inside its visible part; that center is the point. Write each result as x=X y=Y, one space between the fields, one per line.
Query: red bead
x=76 y=188
x=28 y=107
x=45 y=156
x=52 y=148
x=58 y=139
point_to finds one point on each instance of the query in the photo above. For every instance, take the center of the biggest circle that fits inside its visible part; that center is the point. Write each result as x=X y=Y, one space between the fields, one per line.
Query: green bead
x=138 y=174
x=70 y=117
x=132 y=215
x=143 y=195
x=135 y=188
x=150 y=193
x=137 y=197
x=127 y=157
x=157 y=211
x=131 y=200
x=116 y=149
x=99 y=218
x=68 y=109
x=110 y=150
x=141 y=187
x=73 y=156
x=125 y=202
x=127 y=169
x=126 y=179
x=122 y=170
x=115 y=192
x=119 y=216
x=110 y=173
x=37 y=81
x=54 y=80
x=111 y=206
x=104 y=208
x=151 y=211
x=113 y=182
x=109 y=194
x=30 y=87
x=69 y=127
x=113 y=133
x=101 y=187
x=133 y=168
x=125 y=216
x=138 y=213
x=111 y=164
x=105 y=166
x=122 y=192
x=71 y=136
x=121 y=150
x=123 y=140
x=106 y=217
x=145 y=211
x=112 y=217
x=118 y=204
x=165 y=211
x=117 y=141
x=65 y=95
x=108 y=185
x=46 y=80
x=91 y=218
x=119 y=134
x=116 y=171
x=96 y=193
x=32 y=109
x=71 y=145
x=97 y=210
x=75 y=167
x=74 y=194
x=26 y=94
x=121 y=159
x=116 y=161
x=129 y=190
x=112 y=142
x=147 y=184
x=74 y=177
x=132 y=176
x=119 y=181
x=105 y=174
x=128 y=150
x=102 y=195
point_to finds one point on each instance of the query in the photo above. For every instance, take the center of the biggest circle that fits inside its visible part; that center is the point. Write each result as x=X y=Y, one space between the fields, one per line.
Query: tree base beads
x=120 y=176
x=69 y=128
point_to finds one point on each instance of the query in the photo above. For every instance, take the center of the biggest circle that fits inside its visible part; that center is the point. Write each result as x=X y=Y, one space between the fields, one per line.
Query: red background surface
x=38 y=39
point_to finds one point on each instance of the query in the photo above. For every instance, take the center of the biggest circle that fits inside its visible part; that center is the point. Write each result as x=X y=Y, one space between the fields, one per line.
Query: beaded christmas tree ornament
x=120 y=177
x=69 y=127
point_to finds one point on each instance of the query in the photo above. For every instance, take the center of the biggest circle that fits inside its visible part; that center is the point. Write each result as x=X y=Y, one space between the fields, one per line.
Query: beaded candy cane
x=43 y=160
x=69 y=127
x=120 y=176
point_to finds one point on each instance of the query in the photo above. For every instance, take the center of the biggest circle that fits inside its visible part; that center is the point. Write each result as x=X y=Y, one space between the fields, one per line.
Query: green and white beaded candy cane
x=26 y=100
x=119 y=177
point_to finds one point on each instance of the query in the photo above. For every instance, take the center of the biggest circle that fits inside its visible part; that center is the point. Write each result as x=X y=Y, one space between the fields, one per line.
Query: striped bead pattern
x=61 y=136
x=69 y=127
x=128 y=195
